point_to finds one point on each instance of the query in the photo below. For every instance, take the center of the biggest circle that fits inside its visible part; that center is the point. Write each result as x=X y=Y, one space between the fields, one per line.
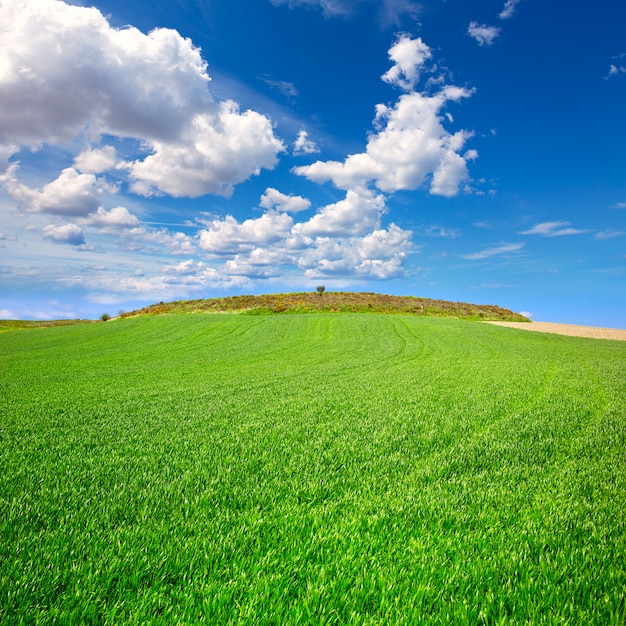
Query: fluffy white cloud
x=411 y=146
x=409 y=56
x=65 y=69
x=227 y=236
x=274 y=199
x=553 y=229
x=357 y=214
x=380 y=254
x=216 y=152
x=184 y=268
x=96 y=161
x=483 y=34
x=71 y=194
x=115 y=219
x=508 y=9
x=303 y=145
x=68 y=233
x=161 y=240
x=505 y=248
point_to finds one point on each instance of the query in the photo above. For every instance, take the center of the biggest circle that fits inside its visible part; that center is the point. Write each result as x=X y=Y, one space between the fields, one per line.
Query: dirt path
x=568 y=329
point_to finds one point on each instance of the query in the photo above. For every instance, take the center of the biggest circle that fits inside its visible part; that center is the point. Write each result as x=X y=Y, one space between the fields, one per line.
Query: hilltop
x=335 y=302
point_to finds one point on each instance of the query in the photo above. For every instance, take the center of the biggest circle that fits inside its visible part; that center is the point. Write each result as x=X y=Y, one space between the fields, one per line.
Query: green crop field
x=311 y=469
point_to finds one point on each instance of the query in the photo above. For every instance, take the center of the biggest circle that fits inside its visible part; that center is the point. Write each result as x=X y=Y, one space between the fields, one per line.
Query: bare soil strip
x=568 y=329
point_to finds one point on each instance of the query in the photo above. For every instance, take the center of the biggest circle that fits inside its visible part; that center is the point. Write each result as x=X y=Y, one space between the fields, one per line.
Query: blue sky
x=470 y=151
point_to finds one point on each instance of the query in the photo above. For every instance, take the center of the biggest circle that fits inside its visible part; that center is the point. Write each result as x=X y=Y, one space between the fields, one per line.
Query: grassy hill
x=299 y=469
x=336 y=302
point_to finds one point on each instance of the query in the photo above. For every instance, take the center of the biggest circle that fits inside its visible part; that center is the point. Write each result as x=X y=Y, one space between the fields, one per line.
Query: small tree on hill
x=321 y=289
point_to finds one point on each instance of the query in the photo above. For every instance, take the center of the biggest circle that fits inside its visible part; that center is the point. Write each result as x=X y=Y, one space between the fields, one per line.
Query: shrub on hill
x=337 y=302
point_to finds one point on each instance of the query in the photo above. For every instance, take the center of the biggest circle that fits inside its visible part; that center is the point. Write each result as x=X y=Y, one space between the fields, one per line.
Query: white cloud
x=505 y=248
x=409 y=56
x=483 y=34
x=357 y=214
x=553 y=229
x=68 y=233
x=115 y=219
x=330 y=8
x=175 y=243
x=96 y=161
x=286 y=88
x=380 y=255
x=390 y=10
x=7 y=314
x=508 y=9
x=274 y=199
x=412 y=145
x=71 y=194
x=440 y=231
x=228 y=237
x=184 y=268
x=609 y=234
x=65 y=69
x=303 y=145
x=215 y=153
x=617 y=67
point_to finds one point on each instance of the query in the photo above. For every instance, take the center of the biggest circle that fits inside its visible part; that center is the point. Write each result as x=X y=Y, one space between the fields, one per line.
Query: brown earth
x=568 y=329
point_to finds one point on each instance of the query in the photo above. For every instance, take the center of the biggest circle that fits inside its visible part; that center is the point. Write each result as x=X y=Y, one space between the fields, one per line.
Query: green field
x=311 y=469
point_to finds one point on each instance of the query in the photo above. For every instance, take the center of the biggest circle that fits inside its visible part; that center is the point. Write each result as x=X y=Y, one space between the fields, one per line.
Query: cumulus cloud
x=344 y=238
x=159 y=241
x=409 y=56
x=505 y=248
x=553 y=229
x=115 y=219
x=483 y=34
x=508 y=9
x=215 y=153
x=274 y=199
x=71 y=194
x=411 y=146
x=357 y=214
x=184 y=268
x=303 y=145
x=227 y=236
x=68 y=233
x=65 y=69
x=96 y=161
x=380 y=255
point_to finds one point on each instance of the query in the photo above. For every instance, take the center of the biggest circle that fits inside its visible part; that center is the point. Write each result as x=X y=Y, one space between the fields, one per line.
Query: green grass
x=6 y=325
x=311 y=469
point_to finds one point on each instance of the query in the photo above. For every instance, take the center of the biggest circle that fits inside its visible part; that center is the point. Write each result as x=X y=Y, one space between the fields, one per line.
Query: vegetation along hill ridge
x=336 y=302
